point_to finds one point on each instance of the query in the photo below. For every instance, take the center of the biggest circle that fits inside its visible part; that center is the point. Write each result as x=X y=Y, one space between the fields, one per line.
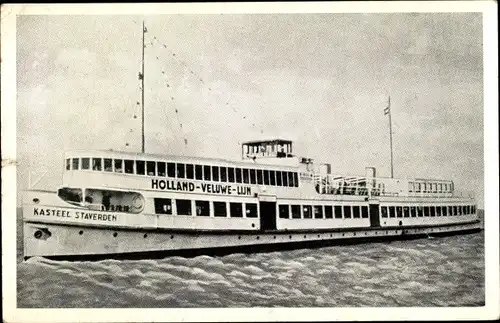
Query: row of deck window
x=186 y=171
x=295 y=211
x=429 y=187
x=423 y=211
x=205 y=208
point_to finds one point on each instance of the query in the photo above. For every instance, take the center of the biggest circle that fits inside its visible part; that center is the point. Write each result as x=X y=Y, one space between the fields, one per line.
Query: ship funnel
x=370 y=172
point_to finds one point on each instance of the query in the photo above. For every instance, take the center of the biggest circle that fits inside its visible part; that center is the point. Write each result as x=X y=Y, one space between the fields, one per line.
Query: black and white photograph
x=288 y=161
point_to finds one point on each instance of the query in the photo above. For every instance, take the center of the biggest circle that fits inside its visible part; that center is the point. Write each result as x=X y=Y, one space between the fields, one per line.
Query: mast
x=142 y=84
x=390 y=135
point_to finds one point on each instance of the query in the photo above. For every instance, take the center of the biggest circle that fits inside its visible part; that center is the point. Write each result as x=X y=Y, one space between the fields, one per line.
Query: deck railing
x=368 y=186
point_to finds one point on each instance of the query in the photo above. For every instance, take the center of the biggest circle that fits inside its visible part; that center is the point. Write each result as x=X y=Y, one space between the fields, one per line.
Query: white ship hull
x=65 y=241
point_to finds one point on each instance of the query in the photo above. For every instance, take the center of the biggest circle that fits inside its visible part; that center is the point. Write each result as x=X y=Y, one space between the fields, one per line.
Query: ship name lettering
x=171 y=185
x=51 y=212
x=96 y=216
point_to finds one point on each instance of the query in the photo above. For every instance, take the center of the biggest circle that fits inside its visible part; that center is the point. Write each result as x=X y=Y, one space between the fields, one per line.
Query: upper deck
x=129 y=170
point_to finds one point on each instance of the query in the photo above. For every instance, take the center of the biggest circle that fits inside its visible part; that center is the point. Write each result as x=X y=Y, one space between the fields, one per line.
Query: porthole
x=81 y=232
x=258 y=237
x=36 y=200
x=145 y=235
x=354 y=234
x=366 y=233
x=239 y=237
x=290 y=237
x=331 y=235
x=318 y=235
x=171 y=237
x=274 y=237
x=305 y=236
x=253 y=225
x=343 y=234
x=115 y=234
x=38 y=234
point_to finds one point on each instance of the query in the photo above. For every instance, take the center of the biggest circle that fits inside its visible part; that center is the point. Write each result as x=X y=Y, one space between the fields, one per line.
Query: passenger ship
x=122 y=204
x=118 y=204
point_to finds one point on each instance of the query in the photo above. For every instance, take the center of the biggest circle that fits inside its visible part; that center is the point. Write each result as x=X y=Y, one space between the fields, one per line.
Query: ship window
x=230 y=174
x=406 y=212
x=96 y=164
x=68 y=164
x=198 y=172
x=285 y=178
x=189 y=171
x=413 y=212
x=251 y=210
x=220 y=209
x=420 y=211
x=464 y=210
x=455 y=211
x=444 y=211
x=129 y=166
x=417 y=189
x=318 y=212
x=259 y=176
x=118 y=166
x=223 y=174
x=236 y=210
x=238 y=175
x=392 y=211
x=161 y=168
x=440 y=187
x=215 y=173
x=75 y=161
x=399 y=211
x=246 y=176
x=295 y=179
x=207 y=173
x=253 y=177
x=183 y=207
x=85 y=163
x=181 y=170
x=424 y=189
x=307 y=210
x=384 y=211
x=364 y=212
x=266 y=177
x=328 y=212
x=426 y=211
x=459 y=210
x=355 y=211
x=202 y=208
x=279 y=182
x=434 y=187
x=338 y=212
x=438 y=211
x=116 y=201
x=474 y=209
x=347 y=211
x=272 y=175
x=469 y=209
x=290 y=178
x=70 y=195
x=171 y=170
x=140 y=167
x=410 y=186
x=108 y=165
x=163 y=206
x=283 y=209
x=295 y=211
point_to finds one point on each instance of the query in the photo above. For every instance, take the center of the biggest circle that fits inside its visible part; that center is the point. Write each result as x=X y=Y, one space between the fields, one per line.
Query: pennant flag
x=388 y=109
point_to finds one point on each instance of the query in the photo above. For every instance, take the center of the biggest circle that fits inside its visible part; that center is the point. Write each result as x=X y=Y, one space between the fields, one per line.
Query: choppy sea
x=444 y=271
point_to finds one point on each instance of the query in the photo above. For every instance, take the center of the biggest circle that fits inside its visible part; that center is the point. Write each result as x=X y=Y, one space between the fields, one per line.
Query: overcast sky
x=321 y=80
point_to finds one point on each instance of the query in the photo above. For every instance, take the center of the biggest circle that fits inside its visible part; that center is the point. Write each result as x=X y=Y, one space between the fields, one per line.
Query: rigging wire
x=155 y=41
